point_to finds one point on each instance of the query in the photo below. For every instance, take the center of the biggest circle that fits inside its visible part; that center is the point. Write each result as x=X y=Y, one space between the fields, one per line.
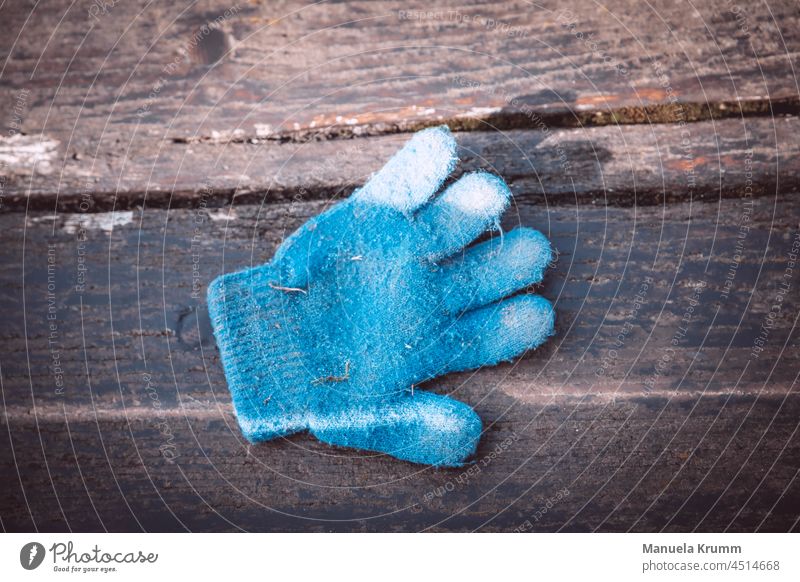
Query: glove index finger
x=461 y=214
x=415 y=173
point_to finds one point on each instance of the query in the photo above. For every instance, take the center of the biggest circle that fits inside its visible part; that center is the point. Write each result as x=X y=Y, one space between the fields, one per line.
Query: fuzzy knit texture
x=384 y=291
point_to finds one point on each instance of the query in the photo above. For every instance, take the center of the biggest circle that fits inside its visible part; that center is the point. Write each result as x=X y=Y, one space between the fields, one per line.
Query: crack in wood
x=520 y=118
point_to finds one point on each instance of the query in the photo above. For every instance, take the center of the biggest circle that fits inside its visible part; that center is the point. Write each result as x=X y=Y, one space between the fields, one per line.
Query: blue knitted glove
x=375 y=296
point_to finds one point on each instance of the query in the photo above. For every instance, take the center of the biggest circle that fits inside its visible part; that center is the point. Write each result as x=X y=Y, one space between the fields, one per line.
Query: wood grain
x=287 y=70
x=621 y=165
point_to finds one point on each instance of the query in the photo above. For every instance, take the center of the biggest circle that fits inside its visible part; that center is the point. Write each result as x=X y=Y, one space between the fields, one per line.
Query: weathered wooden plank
x=143 y=284
x=704 y=462
x=287 y=70
x=665 y=416
x=621 y=165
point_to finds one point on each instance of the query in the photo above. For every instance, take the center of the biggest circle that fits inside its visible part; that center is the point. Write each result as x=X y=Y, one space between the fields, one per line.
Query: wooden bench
x=149 y=148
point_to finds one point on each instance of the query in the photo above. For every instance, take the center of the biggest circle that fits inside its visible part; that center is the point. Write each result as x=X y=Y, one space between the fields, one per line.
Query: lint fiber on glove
x=379 y=293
